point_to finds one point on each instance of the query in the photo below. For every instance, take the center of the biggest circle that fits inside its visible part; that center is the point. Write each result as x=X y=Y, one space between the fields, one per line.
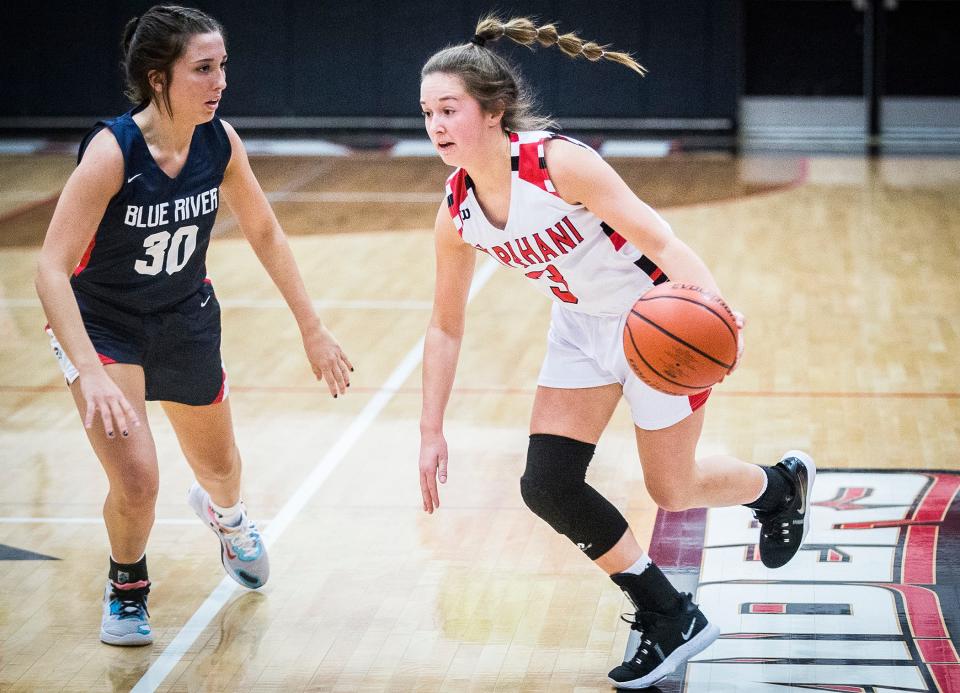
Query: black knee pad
x=554 y=487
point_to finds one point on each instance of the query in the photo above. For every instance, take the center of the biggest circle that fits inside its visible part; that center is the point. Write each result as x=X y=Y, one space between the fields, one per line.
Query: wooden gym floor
x=845 y=267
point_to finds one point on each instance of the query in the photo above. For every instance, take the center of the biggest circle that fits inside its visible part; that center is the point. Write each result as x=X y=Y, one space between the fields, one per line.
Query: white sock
x=228 y=517
x=763 y=489
x=641 y=564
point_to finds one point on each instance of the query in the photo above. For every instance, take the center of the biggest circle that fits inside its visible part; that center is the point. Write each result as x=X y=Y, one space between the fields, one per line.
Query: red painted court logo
x=868 y=605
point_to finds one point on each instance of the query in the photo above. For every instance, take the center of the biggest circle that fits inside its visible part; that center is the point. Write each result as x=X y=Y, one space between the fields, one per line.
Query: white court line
x=83 y=521
x=290 y=186
x=418 y=147
x=10 y=146
x=25 y=195
x=364 y=197
x=320 y=304
x=283 y=195
x=257 y=146
x=634 y=148
x=201 y=618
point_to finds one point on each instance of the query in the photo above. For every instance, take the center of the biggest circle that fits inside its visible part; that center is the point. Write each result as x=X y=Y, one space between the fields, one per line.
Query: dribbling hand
x=741 y=323
x=102 y=396
x=433 y=466
x=328 y=360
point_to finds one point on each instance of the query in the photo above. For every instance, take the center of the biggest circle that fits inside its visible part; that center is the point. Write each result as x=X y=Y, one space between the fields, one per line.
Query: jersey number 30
x=166 y=252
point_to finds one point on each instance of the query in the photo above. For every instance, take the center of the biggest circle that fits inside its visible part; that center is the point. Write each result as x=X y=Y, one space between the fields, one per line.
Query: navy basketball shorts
x=178 y=348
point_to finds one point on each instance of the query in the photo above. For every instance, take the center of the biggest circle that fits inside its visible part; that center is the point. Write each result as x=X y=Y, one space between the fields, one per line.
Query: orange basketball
x=679 y=339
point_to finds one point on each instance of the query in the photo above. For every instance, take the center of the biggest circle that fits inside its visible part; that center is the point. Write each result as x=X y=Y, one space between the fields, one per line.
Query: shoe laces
x=130 y=605
x=645 y=621
x=642 y=622
x=776 y=525
x=244 y=536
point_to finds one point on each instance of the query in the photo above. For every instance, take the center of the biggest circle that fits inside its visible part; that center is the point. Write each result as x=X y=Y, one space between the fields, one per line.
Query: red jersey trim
x=456 y=195
x=699 y=399
x=85 y=260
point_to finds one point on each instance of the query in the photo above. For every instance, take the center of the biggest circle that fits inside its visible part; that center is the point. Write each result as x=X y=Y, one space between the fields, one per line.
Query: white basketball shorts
x=587 y=351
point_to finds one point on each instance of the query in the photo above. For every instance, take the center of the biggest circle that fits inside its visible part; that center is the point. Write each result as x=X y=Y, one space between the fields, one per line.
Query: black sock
x=650 y=590
x=778 y=488
x=131 y=574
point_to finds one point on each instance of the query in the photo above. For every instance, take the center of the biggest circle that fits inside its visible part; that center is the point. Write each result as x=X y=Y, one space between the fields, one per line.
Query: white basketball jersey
x=568 y=252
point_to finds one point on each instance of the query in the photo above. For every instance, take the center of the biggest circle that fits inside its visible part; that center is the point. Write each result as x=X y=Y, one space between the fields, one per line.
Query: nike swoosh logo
x=132 y=177
x=204 y=302
x=803 y=498
x=686 y=636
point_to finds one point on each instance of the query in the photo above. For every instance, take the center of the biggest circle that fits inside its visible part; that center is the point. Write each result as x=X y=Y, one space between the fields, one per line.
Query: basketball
x=679 y=339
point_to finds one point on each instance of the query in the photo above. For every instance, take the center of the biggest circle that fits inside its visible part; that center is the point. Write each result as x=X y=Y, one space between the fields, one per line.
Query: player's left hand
x=328 y=360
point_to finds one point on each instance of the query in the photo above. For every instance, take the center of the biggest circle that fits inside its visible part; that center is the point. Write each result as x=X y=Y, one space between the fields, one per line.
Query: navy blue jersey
x=149 y=251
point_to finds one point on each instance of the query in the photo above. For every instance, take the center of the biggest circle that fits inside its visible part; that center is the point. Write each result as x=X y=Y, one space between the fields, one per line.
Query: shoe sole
x=128 y=640
x=811 y=466
x=687 y=651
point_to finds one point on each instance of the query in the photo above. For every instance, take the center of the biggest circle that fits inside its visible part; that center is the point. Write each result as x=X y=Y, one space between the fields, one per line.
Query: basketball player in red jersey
x=133 y=316
x=551 y=207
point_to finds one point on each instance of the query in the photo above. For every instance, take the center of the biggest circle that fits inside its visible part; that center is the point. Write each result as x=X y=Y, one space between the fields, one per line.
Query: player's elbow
x=46 y=273
x=447 y=328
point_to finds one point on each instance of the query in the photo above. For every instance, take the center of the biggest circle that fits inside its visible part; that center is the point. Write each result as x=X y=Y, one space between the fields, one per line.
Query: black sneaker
x=663 y=642
x=782 y=531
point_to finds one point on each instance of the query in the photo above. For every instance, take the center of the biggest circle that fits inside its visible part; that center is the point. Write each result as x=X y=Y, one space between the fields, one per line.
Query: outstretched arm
x=441 y=350
x=79 y=210
x=262 y=230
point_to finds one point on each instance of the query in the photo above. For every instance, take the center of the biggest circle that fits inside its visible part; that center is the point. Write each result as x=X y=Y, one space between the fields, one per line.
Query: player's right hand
x=741 y=321
x=102 y=396
x=433 y=466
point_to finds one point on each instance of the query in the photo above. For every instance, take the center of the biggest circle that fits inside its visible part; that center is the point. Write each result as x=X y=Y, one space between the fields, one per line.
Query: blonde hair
x=496 y=84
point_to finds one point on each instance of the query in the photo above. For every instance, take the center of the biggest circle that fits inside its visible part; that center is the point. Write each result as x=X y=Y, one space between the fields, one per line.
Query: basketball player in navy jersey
x=134 y=317
x=551 y=207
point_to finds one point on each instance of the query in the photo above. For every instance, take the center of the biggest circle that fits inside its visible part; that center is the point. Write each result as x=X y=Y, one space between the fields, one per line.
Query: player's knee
x=137 y=488
x=219 y=467
x=554 y=487
x=546 y=500
x=554 y=476
x=671 y=496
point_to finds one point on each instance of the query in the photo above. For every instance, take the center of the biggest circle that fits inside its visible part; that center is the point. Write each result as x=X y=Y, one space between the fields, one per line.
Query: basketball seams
x=677 y=339
x=685 y=351
x=705 y=307
x=696 y=389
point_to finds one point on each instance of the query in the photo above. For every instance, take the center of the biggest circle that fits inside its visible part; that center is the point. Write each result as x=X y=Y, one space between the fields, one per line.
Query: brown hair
x=154 y=41
x=496 y=84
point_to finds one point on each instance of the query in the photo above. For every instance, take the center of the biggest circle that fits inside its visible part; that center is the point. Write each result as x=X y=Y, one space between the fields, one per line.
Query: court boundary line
x=46 y=520
x=201 y=618
x=27 y=207
x=530 y=391
x=265 y=303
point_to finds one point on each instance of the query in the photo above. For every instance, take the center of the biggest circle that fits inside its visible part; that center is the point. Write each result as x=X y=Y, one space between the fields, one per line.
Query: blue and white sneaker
x=242 y=551
x=125 y=617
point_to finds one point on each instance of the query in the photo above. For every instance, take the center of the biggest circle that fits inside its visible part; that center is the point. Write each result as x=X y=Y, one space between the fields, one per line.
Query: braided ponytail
x=496 y=84
x=522 y=30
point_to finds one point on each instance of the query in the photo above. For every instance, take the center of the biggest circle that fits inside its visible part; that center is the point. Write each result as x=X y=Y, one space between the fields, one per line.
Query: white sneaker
x=125 y=618
x=242 y=551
